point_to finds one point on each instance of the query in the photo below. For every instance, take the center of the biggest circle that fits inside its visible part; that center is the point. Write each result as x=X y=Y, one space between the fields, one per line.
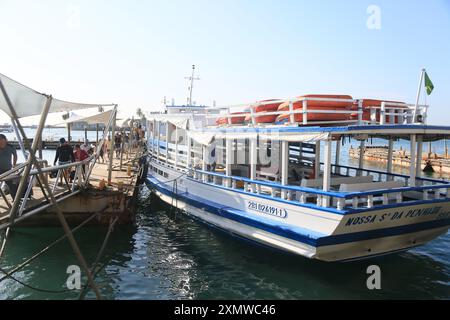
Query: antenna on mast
x=191 y=86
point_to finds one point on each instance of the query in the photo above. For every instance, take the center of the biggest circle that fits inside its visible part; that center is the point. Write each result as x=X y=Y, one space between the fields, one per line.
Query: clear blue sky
x=136 y=52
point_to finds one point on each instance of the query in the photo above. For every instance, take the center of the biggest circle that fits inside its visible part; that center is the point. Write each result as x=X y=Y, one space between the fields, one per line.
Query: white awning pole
x=317 y=161
x=362 y=147
x=228 y=159
x=390 y=156
x=253 y=161
x=338 y=156
x=284 y=166
x=412 y=170
x=419 y=155
x=327 y=172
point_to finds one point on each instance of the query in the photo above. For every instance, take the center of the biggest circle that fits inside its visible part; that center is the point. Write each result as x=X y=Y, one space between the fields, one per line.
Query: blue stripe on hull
x=294 y=233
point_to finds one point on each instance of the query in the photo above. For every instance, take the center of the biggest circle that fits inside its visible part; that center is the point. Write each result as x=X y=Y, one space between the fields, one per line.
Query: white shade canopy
x=101 y=118
x=28 y=102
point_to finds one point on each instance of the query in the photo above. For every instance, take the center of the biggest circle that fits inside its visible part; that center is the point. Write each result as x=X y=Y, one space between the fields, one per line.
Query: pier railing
x=81 y=174
x=334 y=200
x=387 y=113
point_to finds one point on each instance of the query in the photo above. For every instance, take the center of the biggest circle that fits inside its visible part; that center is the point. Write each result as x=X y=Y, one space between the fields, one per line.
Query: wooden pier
x=116 y=199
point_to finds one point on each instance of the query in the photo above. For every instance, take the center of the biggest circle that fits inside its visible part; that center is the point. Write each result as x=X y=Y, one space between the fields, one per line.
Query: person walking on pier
x=65 y=155
x=8 y=160
x=81 y=155
x=118 y=144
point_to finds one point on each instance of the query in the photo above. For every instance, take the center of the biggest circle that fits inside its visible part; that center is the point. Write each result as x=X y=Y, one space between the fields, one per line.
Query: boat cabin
x=296 y=155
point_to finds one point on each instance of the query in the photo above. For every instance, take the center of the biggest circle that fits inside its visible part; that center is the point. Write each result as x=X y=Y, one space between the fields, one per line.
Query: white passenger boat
x=282 y=184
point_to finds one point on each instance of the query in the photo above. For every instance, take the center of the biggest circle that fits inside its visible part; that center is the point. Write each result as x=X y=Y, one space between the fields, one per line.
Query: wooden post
x=111 y=151
x=69 y=138
x=96 y=129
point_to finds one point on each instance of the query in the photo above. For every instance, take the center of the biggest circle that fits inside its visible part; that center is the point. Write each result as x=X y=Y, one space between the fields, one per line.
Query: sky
x=135 y=52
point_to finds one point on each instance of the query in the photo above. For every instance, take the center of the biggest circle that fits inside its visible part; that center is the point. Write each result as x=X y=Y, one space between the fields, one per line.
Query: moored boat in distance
x=283 y=185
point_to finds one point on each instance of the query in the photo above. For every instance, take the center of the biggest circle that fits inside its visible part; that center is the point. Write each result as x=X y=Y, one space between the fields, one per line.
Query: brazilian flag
x=428 y=84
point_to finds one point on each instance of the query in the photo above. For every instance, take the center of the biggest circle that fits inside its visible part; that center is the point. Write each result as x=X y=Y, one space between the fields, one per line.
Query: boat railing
x=387 y=113
x=320 y=199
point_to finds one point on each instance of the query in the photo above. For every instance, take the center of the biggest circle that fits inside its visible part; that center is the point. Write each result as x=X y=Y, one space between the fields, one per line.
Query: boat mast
x=192 y=78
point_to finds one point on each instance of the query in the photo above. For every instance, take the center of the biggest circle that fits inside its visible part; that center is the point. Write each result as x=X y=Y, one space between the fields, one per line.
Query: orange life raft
x=234 y=120
x=319 y=105
x=261 y=108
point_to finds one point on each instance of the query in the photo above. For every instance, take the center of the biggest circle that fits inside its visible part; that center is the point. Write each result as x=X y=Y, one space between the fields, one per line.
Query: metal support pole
x=337 y=161
x=317 y=161
x=189 y=153
x=69 y=137
x=19 y=139
x=111 y=151
x=32 y=160
x=96 y=131
x=229 y=159
x=176 y=147
x=284 y=166
x=362 y=148
x=121 y=150
x=204 y=164
x=327 y=172
x=419 y=155
x=390 y=157
x=167 y=142
x=253 y=161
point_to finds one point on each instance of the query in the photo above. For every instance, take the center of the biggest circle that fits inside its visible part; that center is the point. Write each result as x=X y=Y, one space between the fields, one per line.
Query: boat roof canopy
x=310 y=134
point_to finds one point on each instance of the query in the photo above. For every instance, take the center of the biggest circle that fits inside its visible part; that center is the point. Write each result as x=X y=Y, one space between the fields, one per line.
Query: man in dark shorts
x=65 y=155
x=8 y=159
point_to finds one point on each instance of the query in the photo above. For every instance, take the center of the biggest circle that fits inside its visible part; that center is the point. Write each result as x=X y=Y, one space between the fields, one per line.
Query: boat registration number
x=267 y=209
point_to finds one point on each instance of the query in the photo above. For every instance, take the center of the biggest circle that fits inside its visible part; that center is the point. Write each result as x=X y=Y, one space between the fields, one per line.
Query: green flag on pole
x=428 y=84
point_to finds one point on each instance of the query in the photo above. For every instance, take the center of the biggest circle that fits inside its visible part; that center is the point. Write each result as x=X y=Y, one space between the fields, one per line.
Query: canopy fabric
x=176 y=120
x=296 y=136
x=28 y=102
x=102 y=118
x=204 y=138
